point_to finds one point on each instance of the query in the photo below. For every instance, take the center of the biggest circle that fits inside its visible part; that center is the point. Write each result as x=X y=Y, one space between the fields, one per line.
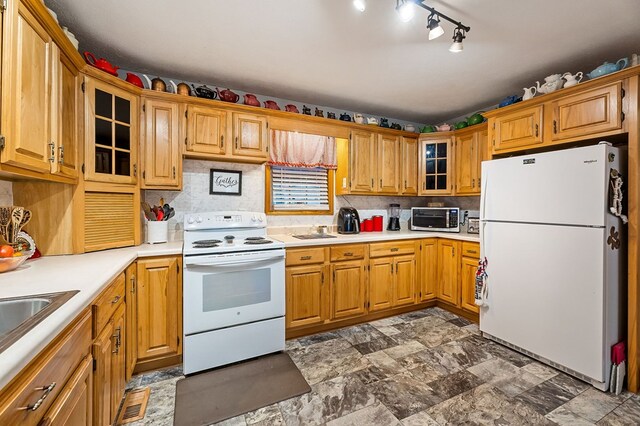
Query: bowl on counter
x=10 y=263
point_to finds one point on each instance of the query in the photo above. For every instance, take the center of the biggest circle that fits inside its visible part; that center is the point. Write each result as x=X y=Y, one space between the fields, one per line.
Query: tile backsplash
x=6 y=193
x=195 y=197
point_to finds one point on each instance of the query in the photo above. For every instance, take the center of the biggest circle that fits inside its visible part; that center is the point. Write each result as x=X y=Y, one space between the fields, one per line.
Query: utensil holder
x=157 y=232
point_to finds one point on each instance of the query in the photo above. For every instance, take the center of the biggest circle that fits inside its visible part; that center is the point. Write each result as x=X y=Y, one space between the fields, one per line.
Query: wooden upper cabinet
x=409 y=166
x=158 y=308
x=26 y=91
x=517 y=129
x=161 y=159
x=305 y=295
x=363 y=162
x=66 y=101
x=466 y=163
x=471 y=150
x=206 y=130
x=429 y=267
x=388 y=164
x=250 y=136
x=111 y=123
x=436 y=173
x=348 y=289
x=448 y=265
x=586 y=113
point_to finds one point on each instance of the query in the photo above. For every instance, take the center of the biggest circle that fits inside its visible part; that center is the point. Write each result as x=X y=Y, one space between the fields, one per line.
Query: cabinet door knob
x=115 y=300
x=555 y=127
x=221 y=141
x=61 y=155
x=174 y=172
x=536 y=129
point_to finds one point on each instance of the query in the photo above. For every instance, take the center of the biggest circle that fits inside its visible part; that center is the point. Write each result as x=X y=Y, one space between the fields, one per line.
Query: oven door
x=225 y=290
x=431 y=219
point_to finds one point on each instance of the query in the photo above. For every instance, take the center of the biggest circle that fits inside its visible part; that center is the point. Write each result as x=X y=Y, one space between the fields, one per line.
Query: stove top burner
x=254 y=238
x=200 y=242
x=205 y=245
x=257 y=242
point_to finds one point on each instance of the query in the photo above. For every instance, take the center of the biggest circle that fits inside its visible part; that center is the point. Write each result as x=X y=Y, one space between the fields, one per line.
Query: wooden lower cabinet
x=380 y=284
x=305 y=295
x=468 y=268
x=348 y=289
x=109 y=369
x=131 y=334
x=404 y=291
x=392 y=282
x=448 y=265
x=428 y=269
x=74 y=405
x=158 y=310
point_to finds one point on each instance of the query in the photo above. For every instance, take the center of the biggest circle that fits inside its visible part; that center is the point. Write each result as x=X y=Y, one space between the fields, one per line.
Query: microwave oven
x=441 y=219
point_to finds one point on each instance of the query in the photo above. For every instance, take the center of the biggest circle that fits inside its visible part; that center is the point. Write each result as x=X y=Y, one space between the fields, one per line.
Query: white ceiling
x=324 y=52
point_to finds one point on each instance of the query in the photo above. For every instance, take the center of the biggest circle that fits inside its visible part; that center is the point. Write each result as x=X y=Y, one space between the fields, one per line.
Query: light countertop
x=89 y=273
x=368 y=237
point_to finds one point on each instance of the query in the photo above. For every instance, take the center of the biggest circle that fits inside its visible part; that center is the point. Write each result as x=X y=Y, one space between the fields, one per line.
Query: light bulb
x=435 y=32
x=456 y=47
x=361 y=5
x=406 y=11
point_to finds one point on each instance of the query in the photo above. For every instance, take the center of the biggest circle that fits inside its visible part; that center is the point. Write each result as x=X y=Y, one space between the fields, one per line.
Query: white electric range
x=233 y=289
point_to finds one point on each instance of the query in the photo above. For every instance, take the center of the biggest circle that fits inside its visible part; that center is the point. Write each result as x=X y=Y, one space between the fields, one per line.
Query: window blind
x=295 y=188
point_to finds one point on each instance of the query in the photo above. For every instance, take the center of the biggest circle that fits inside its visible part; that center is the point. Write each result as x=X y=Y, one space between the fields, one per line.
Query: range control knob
x=190 y=220
x=254 y=218
x=260 y=219
x=199 y=219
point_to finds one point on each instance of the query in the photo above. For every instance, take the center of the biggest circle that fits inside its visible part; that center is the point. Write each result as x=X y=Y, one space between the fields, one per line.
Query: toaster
x=473 y=225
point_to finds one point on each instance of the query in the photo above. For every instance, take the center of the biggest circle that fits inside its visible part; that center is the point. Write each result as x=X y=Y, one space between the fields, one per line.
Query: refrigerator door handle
x=483 y=199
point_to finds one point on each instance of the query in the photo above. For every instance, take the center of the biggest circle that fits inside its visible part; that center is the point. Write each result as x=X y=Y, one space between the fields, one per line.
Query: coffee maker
x=348 y=221
x=394 y=217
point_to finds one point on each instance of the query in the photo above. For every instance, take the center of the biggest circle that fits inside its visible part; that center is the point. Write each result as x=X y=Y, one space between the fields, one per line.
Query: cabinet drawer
x=50 y=371
x=471 y=249
x=348 y=252
x=305 y=256
x=391 y=248
x=107 y=303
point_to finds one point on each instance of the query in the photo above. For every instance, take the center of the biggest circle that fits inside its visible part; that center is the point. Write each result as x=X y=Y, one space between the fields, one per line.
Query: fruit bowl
x=10 y=263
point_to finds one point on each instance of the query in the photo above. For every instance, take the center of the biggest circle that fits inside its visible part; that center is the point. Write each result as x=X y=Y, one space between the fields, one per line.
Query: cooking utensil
x=147 y=209
x=5 y=219
x=166 y=208
x=160 y=215
x=171 y=214
x=16 y=217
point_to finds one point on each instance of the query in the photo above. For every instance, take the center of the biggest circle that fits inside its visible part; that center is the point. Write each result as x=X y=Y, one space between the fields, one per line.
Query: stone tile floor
x=427 y=367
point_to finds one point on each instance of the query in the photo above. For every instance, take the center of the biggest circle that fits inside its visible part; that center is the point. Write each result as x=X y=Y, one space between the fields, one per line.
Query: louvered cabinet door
x=109 y=220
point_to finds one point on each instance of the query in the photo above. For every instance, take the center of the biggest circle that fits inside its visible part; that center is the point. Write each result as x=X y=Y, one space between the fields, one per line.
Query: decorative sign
x=225 y=182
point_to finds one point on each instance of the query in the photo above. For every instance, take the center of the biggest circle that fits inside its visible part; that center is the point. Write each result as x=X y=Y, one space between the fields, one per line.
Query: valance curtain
x=293 y=149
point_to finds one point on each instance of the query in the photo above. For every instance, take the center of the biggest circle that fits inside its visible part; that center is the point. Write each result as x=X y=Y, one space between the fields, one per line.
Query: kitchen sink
x=18 y=315
x=313 y=236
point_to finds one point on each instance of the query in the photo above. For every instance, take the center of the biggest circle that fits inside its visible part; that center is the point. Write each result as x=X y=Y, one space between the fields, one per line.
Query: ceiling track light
x=458 y=36
x=360 y=5
x=406 y=10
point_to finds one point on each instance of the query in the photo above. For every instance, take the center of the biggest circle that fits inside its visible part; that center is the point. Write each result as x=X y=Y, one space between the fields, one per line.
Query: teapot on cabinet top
x=551 y=84
x=227 y=95
x=608 y=68
x=101 y=64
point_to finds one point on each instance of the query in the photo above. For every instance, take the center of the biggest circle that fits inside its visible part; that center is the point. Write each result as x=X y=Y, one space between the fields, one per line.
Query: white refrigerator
x=556 y=284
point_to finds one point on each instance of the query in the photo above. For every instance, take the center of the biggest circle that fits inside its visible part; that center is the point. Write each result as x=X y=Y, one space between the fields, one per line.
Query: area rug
x=226 y=392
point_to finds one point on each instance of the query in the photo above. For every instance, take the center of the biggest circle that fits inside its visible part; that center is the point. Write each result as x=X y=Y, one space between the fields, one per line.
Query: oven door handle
x=217 y=263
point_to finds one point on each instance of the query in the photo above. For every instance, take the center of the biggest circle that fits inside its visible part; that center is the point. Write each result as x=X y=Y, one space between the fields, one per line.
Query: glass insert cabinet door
x=112 y=133
x=436 y=172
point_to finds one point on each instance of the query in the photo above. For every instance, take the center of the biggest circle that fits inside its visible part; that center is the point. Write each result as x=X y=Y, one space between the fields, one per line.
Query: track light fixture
x=458 y=36
x=433 y=24
x=361 y=5
x=406 y=11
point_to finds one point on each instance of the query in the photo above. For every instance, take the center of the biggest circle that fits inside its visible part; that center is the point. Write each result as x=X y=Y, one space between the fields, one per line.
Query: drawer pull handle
x=46 y=391
x=348 y=253
x=115 y=300
x=472 y=251
x=305 y=257
x=393 y=249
